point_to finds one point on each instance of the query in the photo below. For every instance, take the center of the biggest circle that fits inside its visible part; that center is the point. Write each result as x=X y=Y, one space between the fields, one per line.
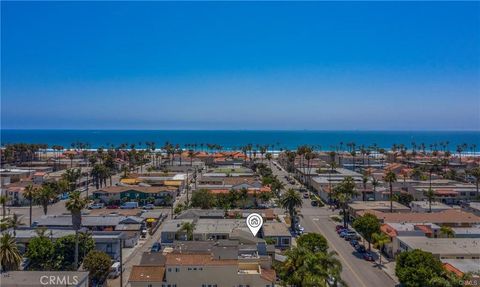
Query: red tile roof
x=388 y=230
x=147 y=274
x=451 y=268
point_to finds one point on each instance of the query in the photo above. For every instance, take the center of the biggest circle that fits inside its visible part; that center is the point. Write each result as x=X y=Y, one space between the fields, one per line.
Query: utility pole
x=121 y=262
x=187 y=186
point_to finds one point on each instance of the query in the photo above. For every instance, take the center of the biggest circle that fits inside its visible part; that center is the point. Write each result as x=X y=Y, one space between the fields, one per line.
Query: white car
x=148 y=206
x=114 y=270
x=96 y=206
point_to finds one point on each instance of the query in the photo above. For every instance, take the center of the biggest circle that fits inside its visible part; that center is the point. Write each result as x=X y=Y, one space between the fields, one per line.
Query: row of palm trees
x=10 y=257
x=20 y=153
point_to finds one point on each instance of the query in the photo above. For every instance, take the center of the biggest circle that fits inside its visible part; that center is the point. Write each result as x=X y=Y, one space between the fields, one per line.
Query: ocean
x=233 y=139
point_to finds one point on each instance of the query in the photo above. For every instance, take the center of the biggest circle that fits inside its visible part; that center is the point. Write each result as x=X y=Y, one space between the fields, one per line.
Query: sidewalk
x=388 y=265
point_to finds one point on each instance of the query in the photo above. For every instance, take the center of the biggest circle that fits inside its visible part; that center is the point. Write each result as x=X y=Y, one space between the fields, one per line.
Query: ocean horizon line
x=250 y=130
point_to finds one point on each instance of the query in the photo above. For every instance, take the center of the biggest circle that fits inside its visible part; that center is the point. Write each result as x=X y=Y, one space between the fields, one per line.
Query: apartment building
x=213 y=267
x=451 y=217
x=442 y=248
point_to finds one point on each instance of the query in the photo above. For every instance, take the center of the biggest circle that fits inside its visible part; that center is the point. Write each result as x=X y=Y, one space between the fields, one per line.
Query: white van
x=114 y=270
x=129 y=205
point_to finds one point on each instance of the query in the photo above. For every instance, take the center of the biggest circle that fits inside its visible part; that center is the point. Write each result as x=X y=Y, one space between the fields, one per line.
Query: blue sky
x=217 y=65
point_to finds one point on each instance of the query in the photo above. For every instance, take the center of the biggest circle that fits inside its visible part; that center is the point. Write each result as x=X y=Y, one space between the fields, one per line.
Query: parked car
x=129 y=205
x=63 y=196
x=314 y=203
x=368 y=256
x=305 y=195
x=113 y=206
x=360 y=248
x=351 y=235
x=341 y=229
x=148 y=206
x=156 y=247
x=96 y=206
x=354 y=242
x=344 y=232
x=114 y=270
x=338 y=227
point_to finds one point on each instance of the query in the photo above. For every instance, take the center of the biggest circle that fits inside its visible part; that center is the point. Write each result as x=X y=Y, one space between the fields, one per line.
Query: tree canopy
x=203 y=199
x=313 y=242
x=98 y=264
x=367 y=225
x=418 y=268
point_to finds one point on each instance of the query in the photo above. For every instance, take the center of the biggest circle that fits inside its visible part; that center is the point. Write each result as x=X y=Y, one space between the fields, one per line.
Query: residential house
x=142 y=194
x=278 y=233
x=451 y=217
x=130 y=225
x=442 y=248
x=355 y=207
x=237 y=266
x=425 y=206
x=106 y=241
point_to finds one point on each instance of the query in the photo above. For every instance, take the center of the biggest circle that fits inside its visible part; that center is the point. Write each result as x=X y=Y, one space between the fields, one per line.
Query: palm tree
x=10 y=257
x=30 y=193
x=343 y=193
x=188 y=228
x=447 y=231
x=375 y=183
x=75 y=204
x=44 y=195
x=430 y=194
x=290 y=201
x=380 y=240
x=71 y=176
x=3 y=202
x=475 y=172
x=276 y=186
x=390 y=177
x=305 y=268
x=364 y=182
x=269 y=157
x=14 y=222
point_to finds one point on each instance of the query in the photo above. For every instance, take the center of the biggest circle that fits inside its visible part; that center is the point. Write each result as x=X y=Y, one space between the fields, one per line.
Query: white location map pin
x=254 y=223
